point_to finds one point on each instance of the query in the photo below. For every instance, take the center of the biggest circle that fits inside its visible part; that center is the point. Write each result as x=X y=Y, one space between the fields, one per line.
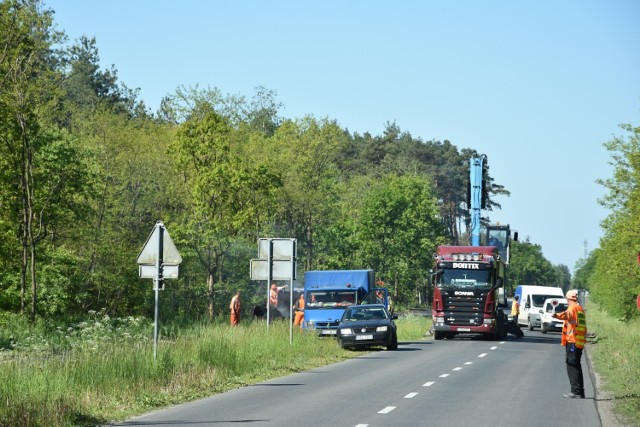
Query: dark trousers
x=574 y=369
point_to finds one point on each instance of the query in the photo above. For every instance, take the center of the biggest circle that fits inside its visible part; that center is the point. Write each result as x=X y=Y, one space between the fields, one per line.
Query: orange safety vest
x=574 y=328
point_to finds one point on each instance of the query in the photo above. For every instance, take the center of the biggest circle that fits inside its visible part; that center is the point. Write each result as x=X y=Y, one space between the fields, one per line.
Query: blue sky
x=537 y=86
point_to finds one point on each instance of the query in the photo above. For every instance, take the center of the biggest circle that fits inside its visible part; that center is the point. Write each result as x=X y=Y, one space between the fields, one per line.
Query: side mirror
x=500 y=282
x=527 y=305
x=394 y=316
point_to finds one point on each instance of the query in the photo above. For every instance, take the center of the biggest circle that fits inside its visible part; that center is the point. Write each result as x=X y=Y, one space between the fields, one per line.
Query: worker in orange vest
x=234 y=307
x=574 y=331
x=299 y=309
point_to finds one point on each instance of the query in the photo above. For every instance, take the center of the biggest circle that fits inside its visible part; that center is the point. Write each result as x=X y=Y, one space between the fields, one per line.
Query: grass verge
x=615 y=351
x=103 y=369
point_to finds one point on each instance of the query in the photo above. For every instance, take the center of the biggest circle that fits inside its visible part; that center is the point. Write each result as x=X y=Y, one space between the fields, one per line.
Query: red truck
x=466 y=283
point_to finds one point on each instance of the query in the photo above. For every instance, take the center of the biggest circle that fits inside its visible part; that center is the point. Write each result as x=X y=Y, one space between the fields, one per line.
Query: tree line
x=86 y=169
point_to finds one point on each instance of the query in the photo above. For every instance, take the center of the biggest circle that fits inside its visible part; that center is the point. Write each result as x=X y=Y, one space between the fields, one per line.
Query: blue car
x=367 y=326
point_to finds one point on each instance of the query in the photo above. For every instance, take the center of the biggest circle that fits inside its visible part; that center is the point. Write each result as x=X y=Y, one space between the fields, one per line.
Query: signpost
x=158 y=260
x=276 y=261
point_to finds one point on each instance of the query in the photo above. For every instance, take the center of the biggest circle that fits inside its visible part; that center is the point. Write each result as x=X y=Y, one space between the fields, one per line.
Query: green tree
x=228 y=194
x=399 y=230
x=529 y=267
x=614 y=282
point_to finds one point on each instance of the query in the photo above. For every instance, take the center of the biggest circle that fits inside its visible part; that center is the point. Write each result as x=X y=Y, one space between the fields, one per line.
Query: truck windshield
x=465 y=279
x=330 y=299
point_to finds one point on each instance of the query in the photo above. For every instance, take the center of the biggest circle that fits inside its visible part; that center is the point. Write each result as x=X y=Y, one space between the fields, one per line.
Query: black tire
x=394 y=343
x=438 y=335
x=544 y=331
x=530 y=324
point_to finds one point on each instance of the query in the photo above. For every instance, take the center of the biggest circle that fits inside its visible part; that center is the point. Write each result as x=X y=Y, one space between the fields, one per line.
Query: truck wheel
x=438 y=335
x=530 y=324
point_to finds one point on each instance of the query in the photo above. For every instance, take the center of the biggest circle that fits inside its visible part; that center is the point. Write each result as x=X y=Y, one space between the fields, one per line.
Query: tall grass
x=615 y=350
x=103 y=369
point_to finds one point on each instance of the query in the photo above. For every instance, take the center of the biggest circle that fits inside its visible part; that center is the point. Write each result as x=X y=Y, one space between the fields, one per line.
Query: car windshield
x=360 y=313
x=330 y=299
x=465 y=279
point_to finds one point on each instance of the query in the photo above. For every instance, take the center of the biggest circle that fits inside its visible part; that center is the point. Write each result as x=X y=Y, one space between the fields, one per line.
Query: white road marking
x=494 y=347
x=444 y=375
x=428 y=384
x=482 y=355
x=410 y=395
x=459 y=368
x=468 y=363
x=362 y=425
x=387 y=410
x=502 y=342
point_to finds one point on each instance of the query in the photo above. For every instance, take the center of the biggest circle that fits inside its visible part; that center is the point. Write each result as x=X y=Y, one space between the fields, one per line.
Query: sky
x=536 y=86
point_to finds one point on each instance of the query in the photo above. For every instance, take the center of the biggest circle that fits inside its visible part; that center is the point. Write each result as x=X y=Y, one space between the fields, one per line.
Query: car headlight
x=381 y=329
x=346 y=331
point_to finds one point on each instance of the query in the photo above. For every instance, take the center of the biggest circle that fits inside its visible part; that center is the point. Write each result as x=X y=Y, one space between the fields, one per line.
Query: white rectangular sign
x=282 y=248
x=281 y=270
x=149 y=271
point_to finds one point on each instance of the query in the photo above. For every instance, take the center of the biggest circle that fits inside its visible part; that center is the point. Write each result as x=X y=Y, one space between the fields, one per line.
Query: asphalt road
x=465 y=381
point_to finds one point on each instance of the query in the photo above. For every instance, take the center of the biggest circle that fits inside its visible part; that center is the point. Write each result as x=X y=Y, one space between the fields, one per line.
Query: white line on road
x=362 y=425
x=428 y=384
x=482 y=355
x=494 y=347
x=387 y=410
x=444 y=375
x=468 y=363
x=410 y=395
x=459 y=368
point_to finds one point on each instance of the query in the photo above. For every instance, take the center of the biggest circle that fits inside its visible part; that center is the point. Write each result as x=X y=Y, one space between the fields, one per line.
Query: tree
x=228 y=194
x=398 y=232
x=615 y=276
x=529 y=267
x=29 y=88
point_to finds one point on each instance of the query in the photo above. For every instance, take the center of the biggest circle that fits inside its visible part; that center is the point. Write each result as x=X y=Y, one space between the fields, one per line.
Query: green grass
x=103 y=369
x=615 y=351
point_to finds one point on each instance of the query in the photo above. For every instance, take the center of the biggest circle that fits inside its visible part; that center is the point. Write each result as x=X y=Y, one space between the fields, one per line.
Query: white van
x=532 y=300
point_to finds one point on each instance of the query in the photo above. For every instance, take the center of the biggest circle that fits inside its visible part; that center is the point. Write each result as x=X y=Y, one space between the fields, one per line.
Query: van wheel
x=530 y=324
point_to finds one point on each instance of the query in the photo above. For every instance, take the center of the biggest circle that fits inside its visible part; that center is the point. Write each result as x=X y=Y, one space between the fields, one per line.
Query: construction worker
x=273 y=301
x=515 y=309
x=574 y=331
x=234 y=307
x=299 y=309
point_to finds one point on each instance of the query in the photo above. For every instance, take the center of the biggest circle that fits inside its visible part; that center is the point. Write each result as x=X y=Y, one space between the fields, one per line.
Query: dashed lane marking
x=387 y=410
x=410 y=395
x=468 y=363
x=444 y=375
x=428 y=384
x=494 y=347
x=482 y=355
x=459 y=368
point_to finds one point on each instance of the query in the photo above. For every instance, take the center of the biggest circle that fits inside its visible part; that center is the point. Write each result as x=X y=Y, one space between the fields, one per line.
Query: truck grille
x=463 y=310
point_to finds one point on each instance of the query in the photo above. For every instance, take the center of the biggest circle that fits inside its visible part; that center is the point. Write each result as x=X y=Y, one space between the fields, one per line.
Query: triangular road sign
x=149 y=253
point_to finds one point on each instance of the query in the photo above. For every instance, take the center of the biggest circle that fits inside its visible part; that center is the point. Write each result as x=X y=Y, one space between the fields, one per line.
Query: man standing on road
x=515 y=309
x=235 y=309
x=574 y=331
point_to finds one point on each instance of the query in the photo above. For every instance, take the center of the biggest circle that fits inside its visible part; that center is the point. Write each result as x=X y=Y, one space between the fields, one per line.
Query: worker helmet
x=572 y=295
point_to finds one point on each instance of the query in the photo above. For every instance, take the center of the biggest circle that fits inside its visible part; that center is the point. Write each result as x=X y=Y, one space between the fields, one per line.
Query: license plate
x=464 y=330
x=364 y=337
x=328 y=331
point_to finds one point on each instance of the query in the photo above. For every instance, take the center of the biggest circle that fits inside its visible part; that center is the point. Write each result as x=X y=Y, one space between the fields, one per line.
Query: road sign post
x=158 y=254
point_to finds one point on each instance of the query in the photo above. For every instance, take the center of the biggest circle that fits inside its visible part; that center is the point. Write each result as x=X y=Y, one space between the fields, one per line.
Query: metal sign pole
x=158 y=283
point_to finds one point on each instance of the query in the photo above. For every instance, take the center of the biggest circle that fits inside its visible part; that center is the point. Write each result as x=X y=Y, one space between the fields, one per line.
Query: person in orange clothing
x=234 y=307
x=574 y=332
x=299 y=309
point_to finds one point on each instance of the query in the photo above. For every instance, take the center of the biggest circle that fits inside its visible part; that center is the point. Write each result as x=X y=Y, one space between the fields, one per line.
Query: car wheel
x=530 y=324
x=544 y=331
x=394 y=343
